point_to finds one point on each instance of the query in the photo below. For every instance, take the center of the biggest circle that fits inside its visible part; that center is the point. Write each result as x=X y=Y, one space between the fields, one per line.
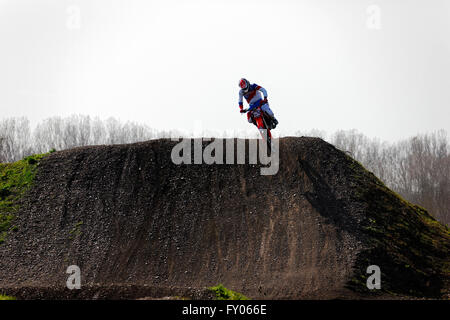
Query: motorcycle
x=263 y=123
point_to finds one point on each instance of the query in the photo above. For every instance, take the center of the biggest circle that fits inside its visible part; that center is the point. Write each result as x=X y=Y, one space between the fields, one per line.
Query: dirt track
x=127 y=215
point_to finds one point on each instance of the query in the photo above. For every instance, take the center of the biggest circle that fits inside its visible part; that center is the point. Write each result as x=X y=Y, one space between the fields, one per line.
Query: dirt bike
x=263 y=122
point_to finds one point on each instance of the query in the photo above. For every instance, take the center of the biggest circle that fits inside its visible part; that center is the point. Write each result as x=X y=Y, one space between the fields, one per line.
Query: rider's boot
x=274 y=123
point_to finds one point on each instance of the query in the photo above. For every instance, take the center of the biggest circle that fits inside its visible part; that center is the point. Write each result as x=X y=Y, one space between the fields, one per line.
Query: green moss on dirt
x=15 y=179
x=223 y=293
x=411 y=248
x=76 y=230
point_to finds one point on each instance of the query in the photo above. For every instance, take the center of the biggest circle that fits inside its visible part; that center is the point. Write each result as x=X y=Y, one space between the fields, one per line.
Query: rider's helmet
x=244 y=84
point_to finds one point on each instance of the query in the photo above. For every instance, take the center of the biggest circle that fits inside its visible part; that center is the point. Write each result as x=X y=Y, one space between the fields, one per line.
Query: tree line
x=418 y=168
x=18 y=140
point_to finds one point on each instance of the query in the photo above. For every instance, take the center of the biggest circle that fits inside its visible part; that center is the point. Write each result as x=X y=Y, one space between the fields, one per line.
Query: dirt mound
x=129 y=217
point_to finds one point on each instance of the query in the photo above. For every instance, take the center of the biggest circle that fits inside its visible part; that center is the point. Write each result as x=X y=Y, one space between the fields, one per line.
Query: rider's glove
x=264 y=101
x=242 y=111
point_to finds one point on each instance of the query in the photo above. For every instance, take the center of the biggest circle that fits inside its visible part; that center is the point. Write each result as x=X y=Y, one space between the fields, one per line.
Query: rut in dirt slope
x=127 y=215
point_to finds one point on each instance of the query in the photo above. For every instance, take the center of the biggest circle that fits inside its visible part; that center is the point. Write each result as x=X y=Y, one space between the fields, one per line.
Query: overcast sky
x=381 y=67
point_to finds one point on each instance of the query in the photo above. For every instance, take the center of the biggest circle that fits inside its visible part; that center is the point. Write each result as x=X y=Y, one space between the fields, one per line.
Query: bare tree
x=2 y=153
x=15 y=142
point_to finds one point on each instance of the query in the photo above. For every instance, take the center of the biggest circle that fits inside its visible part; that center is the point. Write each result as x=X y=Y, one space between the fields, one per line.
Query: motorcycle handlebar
x=247 y=110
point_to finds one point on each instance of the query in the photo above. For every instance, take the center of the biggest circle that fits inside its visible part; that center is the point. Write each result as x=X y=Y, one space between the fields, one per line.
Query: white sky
x=171 y=64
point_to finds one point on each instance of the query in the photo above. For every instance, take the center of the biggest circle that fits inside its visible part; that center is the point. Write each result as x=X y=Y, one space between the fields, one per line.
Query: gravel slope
x=130 y=218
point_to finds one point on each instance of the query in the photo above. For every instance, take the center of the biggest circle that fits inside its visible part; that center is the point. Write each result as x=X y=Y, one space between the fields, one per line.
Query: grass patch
x=3 y=297
x=223 y=293
x=76 y=230
x=15 y=179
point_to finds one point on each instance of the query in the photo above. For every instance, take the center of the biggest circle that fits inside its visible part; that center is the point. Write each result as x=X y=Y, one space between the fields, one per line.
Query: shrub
x=223 y=293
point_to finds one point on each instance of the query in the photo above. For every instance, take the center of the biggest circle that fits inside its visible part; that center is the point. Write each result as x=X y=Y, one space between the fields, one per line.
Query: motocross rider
x=254 y=96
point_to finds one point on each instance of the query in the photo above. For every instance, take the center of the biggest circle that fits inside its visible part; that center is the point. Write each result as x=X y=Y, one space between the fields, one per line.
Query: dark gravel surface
x=139 y=226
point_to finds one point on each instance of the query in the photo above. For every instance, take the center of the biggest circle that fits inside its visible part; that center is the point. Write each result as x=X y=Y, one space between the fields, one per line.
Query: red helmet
x=244 y=84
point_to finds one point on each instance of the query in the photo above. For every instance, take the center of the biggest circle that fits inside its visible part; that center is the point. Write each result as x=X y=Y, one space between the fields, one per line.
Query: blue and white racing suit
x=254 y=97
